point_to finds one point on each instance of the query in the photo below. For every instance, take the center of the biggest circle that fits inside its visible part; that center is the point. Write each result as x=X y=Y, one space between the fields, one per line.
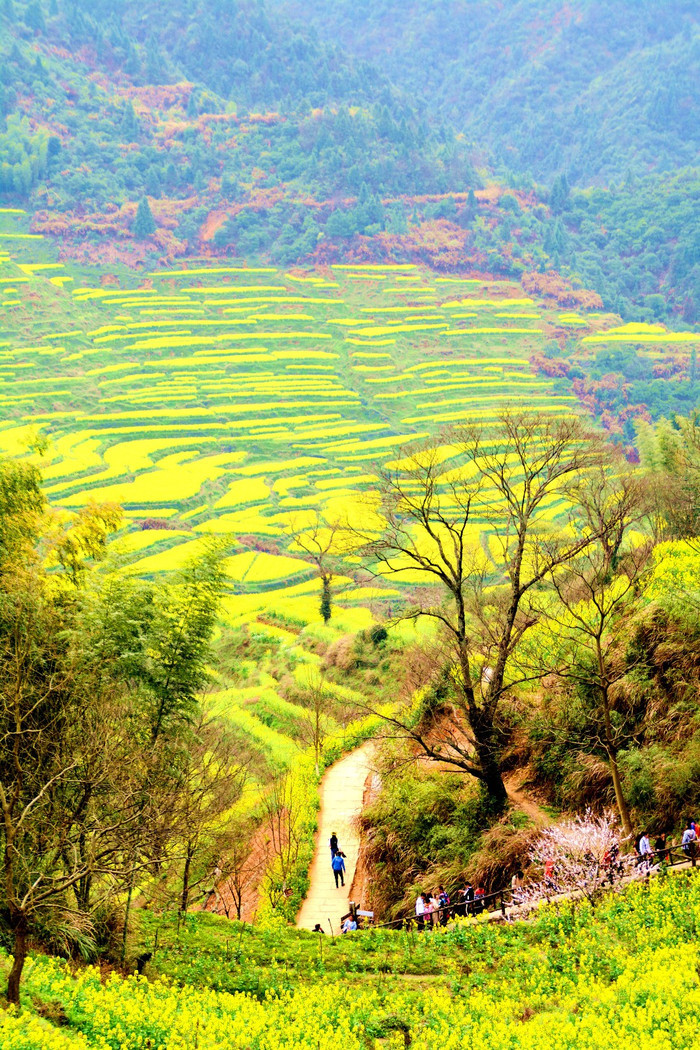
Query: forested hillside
x=587 y=87
x=497 y=140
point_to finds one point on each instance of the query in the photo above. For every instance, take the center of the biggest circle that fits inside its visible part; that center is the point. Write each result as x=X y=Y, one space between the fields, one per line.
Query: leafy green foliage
x=424 y=827
x=178 y=646
x=634 y=243
x=21 y=504
x=99 y=684
x=24 y=157
x=654 y=716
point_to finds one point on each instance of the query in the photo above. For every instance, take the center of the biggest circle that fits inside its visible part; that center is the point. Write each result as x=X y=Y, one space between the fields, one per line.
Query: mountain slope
x=586 y=87
x=264 y=131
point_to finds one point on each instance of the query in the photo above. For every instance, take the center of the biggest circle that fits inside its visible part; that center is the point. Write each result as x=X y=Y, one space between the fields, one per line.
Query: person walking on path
x=420 y=911
x=688 y=842
x=661 y=848
x=338 y=866
x=444 y=902
x=333 y=843
x=644 y=850
x=467 y=895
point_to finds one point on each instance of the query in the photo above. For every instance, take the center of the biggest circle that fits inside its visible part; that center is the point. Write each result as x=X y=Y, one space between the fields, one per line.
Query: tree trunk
x=83 y=890
x=493 y=782
x=481 y=724
x=20 y=955
x=185 y=897
x=326 y=598
x=127 y=912
x=622 y=807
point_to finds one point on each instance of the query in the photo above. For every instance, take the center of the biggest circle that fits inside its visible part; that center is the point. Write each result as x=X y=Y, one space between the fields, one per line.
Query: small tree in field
x=314 y=724
x=284 y=817
x=242 y=866
x=323 y=541
x=326 y=607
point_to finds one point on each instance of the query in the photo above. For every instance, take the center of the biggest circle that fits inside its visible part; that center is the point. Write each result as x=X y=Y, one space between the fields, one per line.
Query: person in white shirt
x=644 y=850
x=420 y=911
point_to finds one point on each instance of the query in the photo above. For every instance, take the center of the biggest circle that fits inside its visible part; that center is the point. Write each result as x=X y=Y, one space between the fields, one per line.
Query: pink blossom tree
x=577 y=858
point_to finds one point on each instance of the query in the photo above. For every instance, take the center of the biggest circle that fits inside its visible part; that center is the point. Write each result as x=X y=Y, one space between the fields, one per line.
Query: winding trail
x=516 y=793
x=342 y=792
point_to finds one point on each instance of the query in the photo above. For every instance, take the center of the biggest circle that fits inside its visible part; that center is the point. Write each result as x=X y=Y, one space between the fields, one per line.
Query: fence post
x=503 y=905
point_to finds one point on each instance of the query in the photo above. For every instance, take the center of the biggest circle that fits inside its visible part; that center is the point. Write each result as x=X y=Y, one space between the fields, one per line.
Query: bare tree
x=212 y=782
x=315 y=724
x=284 y=810
x=242 y=866
x=502 y=487
x=595 y=593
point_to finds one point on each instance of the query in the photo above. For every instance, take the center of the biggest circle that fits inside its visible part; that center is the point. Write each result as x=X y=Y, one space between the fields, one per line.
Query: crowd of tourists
x=438 y=907
x=433 y=909
x=647 y=857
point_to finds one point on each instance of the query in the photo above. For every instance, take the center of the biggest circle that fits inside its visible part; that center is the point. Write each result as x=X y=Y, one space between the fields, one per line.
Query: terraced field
x=240 y=401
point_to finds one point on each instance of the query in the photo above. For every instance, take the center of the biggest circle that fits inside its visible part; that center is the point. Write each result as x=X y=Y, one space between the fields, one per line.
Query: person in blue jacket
x=338 y=865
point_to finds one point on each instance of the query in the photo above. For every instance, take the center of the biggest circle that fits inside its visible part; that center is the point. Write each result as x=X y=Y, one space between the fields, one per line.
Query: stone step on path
x=342 y=791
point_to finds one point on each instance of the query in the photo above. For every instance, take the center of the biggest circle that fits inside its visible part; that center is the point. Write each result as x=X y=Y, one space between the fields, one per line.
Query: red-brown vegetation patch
x=552 y=285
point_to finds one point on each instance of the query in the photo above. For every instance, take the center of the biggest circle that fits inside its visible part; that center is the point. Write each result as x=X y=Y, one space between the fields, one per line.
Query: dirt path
x=526 y=803
x=342 y=790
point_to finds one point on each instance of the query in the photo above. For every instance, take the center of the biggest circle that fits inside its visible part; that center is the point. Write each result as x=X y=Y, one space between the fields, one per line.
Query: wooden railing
x=499 y=900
